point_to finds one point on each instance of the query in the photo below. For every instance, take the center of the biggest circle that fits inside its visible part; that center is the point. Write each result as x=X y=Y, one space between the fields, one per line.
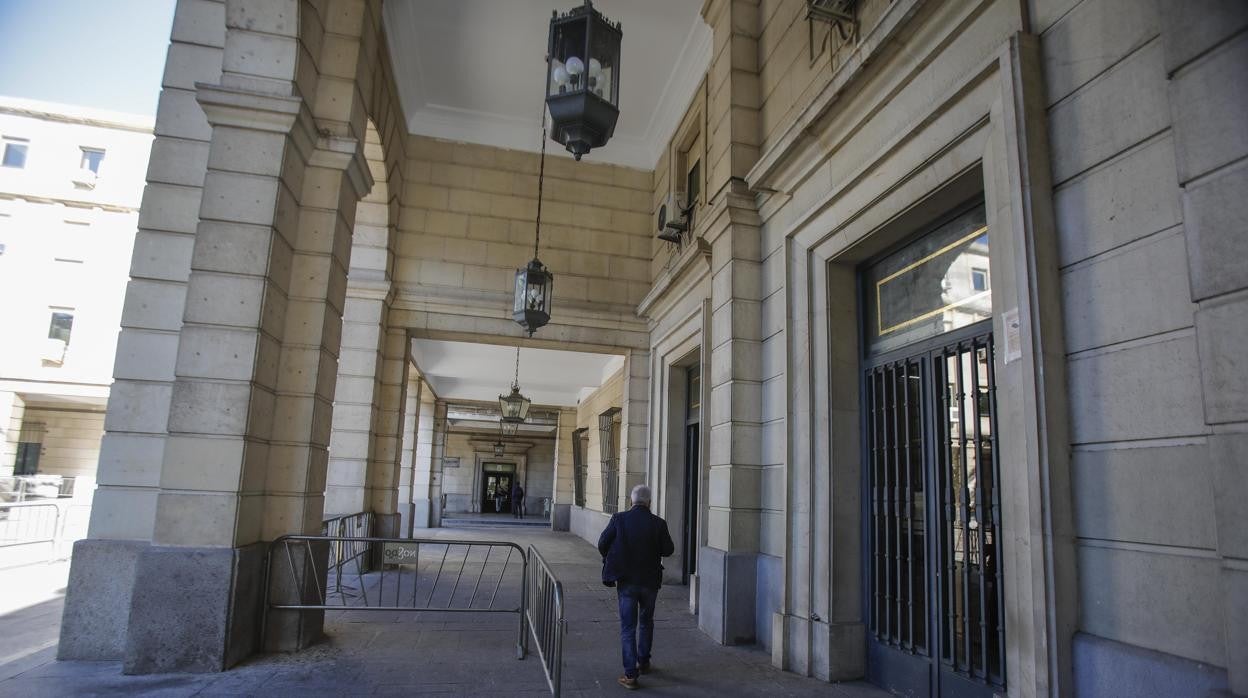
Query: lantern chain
x=515 y=382
x=541 y=177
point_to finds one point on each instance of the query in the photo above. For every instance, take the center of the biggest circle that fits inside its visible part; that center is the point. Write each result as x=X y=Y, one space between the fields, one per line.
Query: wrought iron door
x=933 y=516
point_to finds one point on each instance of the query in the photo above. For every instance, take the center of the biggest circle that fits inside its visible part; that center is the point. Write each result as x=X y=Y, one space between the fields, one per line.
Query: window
x=15 y=152
x=693 y=189
x=979 y=279
x=608 y=446
x=61 y=326
x=91 y=159
x=580 y=467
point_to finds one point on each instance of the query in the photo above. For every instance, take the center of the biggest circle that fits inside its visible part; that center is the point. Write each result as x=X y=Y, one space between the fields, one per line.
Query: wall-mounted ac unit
x=672 y=220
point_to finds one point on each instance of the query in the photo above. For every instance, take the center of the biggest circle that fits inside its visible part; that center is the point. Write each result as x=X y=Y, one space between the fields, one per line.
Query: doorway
x=931 y=506
x=693 y=442
x=496 y=482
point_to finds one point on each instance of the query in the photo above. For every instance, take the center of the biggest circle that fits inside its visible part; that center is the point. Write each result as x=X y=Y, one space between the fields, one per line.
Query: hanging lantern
x=508 y=429
x=534 y=288
x=499 y=449
x=514 y=407
x=583 y=78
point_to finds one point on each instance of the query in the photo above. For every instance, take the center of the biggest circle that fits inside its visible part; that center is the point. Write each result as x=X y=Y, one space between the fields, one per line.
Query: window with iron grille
x=579 y=467
x=609 y=449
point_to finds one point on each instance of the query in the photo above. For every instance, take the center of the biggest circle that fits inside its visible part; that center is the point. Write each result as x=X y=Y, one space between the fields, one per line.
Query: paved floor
x=404 y=653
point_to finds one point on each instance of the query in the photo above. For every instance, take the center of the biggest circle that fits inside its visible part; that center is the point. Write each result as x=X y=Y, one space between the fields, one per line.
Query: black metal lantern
x=583 y=78
x=514 y=407
x=534 y=289
x=508 y=429
x=499 y=449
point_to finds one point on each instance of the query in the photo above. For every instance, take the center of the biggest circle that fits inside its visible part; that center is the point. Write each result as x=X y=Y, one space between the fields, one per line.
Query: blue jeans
x=636 y=618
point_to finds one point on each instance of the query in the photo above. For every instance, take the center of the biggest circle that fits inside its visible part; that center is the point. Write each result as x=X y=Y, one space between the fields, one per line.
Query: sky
x=105 y=54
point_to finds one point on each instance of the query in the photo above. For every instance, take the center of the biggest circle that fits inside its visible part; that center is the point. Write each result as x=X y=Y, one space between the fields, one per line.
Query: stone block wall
x=467 y=222
x=609 y=394
x=1148 y=129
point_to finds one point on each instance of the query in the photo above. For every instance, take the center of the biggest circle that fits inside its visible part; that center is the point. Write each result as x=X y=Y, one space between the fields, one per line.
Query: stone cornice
x=238 y=108
x=670 y=281
x=343 y=153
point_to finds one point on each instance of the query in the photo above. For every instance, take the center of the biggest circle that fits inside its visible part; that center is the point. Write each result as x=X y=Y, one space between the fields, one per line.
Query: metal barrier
x=415 y=576
x=543 y=610
x=357 y=525
x=29 y=523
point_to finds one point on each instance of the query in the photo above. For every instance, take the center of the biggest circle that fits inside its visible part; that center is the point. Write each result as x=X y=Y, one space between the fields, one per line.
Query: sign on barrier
x=400 y=553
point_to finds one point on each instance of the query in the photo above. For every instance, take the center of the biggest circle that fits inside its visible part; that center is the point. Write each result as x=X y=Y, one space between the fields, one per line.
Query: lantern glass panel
x=519 y=300
x=536 y=296
x=508 y=428
x=568 y=67
x=604 y=68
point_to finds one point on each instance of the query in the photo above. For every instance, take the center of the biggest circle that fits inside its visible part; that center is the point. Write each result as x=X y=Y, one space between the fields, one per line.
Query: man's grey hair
x=641 y=495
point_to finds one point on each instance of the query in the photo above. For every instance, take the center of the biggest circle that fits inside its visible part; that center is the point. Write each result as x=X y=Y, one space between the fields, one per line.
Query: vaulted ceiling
x=474 y=70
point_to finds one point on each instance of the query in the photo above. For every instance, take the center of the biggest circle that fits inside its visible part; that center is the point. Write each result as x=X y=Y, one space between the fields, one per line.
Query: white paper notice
x=1013 y=336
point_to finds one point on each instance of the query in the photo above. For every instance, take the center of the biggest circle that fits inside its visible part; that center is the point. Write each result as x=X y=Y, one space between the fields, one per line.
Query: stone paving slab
x=429 y=653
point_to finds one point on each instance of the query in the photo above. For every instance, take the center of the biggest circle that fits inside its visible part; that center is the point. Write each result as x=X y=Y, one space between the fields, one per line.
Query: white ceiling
x=474 y=70
x=468 y=371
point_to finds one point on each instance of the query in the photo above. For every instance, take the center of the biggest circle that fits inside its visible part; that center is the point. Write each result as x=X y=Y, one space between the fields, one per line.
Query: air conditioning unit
x=85 y=177
x=672 y=220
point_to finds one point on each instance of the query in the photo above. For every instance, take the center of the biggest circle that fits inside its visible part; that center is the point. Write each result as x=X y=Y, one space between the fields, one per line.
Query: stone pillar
x=386 y=437
x=437 y=450
x=407 y=452
x=563 y=492
x=727 y=565
x=1205 y=53
x=423 y=499
x=355 y=397
x=97 y=602
x=635 y=424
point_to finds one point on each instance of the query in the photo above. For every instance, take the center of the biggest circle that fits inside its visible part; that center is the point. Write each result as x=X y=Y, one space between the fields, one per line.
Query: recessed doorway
x=496 y=482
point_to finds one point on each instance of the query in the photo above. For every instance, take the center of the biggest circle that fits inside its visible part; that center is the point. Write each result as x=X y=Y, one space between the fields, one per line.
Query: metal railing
x=342 y=553
x=29 y=523
x=543 y=611
x=21 y=488
x=445 y=576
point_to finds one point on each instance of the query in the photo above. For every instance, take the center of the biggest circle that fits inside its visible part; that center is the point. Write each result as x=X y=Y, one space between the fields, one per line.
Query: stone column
x=437 y=450
x=407 y=452
x=97 y=602
x=383 y=466
x=563 y=491
x=727 y=566
x=635 y=424
x=423 y=499
x=355 y=397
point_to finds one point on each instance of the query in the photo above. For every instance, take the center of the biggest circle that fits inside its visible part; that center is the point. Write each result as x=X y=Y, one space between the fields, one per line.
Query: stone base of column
x=194 y=609
x=837 y=650
x=561 y=517
x=97 y=600
x=727 y=601
x=384 y=526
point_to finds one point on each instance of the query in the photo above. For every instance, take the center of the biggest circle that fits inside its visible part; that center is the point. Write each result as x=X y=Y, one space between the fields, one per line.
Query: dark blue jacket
x=631 y=546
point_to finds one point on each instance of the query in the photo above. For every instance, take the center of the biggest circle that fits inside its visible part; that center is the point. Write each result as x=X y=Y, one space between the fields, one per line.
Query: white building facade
x=70 y=188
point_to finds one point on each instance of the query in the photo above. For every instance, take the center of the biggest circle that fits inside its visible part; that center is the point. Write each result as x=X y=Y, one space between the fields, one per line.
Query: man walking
x=517 y=500
x=631 y=546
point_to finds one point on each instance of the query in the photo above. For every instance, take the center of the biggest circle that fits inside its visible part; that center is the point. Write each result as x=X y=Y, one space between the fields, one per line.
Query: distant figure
x=500 y=494
x=631 y=546
x=517 y=500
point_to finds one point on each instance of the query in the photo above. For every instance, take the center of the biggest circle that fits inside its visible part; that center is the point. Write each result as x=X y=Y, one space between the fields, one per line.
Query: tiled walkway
x=447 y=655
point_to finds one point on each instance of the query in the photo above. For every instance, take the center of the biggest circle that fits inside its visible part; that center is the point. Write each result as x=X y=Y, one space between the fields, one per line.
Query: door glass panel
x=936 y=284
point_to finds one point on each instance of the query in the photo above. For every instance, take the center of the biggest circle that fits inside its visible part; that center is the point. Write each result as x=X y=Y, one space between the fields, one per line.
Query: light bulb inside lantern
x=560 y=75
x=595 y=68
x=575 y=66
